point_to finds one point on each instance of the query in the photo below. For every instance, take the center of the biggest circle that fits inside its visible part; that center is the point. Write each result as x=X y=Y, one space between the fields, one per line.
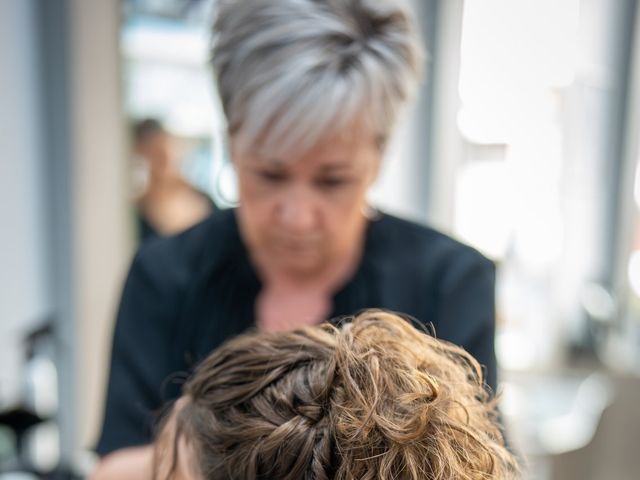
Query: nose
x=297 y=211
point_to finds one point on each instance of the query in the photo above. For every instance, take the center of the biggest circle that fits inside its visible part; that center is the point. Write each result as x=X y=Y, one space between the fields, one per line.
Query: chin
x=302 y=266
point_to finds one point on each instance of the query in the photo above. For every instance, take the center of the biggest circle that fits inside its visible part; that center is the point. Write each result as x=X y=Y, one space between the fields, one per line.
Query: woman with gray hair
x=311 y=90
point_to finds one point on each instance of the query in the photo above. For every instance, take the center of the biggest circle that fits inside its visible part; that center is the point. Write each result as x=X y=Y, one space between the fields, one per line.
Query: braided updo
x=371 y=399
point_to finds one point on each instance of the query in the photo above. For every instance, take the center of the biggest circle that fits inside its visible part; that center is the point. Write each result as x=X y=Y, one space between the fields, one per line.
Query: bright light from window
x=510 y=49
x=633 y=271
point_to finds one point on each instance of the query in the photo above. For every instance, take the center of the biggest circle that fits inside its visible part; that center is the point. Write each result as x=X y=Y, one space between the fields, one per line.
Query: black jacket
x=187 y=294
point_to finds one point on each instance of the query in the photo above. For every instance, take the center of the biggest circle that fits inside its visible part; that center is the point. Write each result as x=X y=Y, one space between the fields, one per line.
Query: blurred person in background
x=372 y=398
x=168 y=204
x=311 y=91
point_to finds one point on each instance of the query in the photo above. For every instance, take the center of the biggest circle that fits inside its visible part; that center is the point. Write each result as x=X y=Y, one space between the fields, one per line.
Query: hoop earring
x=371 y=213
x=226 y=185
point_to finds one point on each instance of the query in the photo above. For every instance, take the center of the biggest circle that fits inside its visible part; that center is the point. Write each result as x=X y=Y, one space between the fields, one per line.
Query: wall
x=101 y=230
x=25 y=296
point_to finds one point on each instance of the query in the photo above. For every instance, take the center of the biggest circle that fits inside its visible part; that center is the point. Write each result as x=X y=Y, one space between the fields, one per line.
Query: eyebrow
x=328 y=167
x=336 y=166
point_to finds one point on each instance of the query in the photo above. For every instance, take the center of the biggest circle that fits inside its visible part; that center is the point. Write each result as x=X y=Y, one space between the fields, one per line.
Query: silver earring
x=371 y=213
x=226 y=186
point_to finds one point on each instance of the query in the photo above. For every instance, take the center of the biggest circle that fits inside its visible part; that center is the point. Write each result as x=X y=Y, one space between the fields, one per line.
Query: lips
x=296 y=245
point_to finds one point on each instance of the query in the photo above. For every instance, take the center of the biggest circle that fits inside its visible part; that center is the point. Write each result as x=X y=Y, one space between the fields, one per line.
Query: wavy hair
x=373 y=398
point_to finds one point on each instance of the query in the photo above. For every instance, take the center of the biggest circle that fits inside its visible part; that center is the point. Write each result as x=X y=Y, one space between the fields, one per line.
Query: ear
x=376 y=167
x=380 y=145
x=233 y=149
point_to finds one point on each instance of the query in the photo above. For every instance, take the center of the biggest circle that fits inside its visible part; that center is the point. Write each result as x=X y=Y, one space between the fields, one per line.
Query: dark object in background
x=19 y=420
x=19 y=423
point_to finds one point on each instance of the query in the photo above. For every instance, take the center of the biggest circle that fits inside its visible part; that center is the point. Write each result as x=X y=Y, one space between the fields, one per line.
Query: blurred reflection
x=167 y=203
x=29 y=433
x=541 y=88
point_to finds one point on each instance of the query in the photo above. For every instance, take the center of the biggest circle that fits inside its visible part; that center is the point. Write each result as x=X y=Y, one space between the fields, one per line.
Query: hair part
x=292 y=73
x=373 y=398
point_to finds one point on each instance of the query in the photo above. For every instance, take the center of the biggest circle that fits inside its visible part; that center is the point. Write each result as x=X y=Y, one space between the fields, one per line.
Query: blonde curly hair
x=372 y=398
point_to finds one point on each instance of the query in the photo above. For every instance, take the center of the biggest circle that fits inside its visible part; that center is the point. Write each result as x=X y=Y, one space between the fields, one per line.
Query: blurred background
x=524 y=144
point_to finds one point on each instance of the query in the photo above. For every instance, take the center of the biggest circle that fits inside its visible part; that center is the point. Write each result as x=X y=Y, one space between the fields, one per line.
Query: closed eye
x=332 y=182
x=272 y=177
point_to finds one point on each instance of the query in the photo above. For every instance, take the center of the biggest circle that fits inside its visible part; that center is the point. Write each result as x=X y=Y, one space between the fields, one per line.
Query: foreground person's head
x=374 y=398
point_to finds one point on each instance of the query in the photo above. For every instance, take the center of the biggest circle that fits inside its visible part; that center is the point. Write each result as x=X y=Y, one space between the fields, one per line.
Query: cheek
x=255 y=194
x=255 y=210
x=344 y=218
x=349 y=201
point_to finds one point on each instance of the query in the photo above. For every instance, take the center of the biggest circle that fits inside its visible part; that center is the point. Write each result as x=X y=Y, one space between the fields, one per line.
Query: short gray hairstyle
x=291 y=73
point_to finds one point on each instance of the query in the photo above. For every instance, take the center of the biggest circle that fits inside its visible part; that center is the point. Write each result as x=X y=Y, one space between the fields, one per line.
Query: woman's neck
x=326 y=280
x=290 y=300
x=287 y=301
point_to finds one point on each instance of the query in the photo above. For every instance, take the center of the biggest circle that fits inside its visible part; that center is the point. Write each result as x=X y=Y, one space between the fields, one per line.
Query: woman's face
x=300 y=215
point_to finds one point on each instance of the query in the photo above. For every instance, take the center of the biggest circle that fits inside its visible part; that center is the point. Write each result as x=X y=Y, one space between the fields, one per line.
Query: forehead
x=343 y=150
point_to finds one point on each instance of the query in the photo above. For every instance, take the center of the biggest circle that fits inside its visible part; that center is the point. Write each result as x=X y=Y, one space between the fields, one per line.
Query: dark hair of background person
x=145 y=128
